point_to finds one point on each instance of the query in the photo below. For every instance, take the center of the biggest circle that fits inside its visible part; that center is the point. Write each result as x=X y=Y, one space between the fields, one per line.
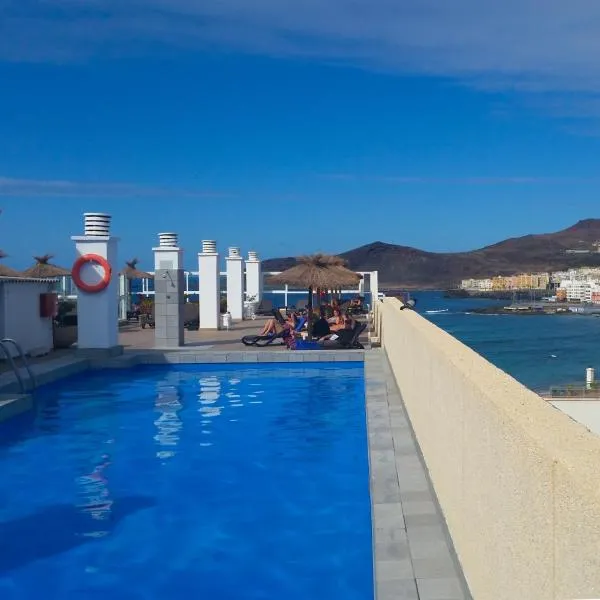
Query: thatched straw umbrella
x=7 y=271
x=317 y=272
x=132 y=272
x=44 y=269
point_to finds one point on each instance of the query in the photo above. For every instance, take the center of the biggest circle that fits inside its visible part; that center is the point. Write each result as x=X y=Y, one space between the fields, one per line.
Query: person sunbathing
x=272 y=326
x=346 y=325
x=337 y=320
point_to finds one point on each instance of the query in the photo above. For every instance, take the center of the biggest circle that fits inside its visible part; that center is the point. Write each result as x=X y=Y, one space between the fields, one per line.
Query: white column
x=97 y=313
x=235 y=284
x=208 y=274
x=254 y=276
x=124 y=297
x=374 y=287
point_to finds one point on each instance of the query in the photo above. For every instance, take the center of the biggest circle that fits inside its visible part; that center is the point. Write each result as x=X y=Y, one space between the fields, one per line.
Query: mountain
x=405 y=267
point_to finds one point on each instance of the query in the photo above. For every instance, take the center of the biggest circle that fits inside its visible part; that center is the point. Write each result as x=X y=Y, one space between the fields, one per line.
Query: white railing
x=67 y=290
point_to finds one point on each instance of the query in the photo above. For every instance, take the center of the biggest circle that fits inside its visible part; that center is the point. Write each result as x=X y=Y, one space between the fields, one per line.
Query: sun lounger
x=347 y=339
x=267 y=340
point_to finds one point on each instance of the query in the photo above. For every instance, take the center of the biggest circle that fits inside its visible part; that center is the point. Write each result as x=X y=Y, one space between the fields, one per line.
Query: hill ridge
x=408 y=267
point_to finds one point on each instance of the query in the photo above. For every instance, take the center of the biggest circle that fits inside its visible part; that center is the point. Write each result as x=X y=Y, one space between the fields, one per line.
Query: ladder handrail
x=11 y=362
x=23 y=359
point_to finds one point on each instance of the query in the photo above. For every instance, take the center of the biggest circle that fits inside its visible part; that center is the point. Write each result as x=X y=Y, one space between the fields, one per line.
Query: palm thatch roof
x=43 y=268
x=7 y=271
x=132 y=272
x=318 y=271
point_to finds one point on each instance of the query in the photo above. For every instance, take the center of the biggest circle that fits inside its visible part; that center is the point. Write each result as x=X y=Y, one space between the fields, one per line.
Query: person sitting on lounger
x=321 y=326
x=346 y=325
x=337 y=321
x=272 y=326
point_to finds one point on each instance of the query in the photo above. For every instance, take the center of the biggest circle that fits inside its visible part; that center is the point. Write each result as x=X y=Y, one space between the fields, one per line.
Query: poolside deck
x=133 y=337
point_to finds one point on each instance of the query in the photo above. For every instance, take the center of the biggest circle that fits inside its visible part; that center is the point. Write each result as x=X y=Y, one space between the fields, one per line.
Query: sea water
x=538 y=350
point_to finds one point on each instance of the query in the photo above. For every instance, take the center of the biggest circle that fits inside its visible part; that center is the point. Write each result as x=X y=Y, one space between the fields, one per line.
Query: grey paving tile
x=424 y=506
x=386 y=532
x=434 y=567
x=383 y=457
x=381 y=440
x=400 y=589
x=388 y=515
x=427 y=533
x=413 y=482
x=392 y=550
x=386 y=490
x=418 y=520
x=443 y=588
x=420 y=549
x=391 y=570
x=418 y=496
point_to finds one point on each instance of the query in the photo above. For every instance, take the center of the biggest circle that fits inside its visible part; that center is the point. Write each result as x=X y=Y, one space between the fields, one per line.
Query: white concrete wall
x=254 y=280
x=208 y=274
x=98 y=314
x=517 y=480
x=235 y=288
x=20 y=315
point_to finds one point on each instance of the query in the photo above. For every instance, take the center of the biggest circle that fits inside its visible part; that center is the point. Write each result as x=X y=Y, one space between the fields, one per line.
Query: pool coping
x=413 y=555
x=65 y=366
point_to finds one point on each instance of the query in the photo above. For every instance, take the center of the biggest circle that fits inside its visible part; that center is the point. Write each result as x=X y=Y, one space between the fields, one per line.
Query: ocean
x=537 y=350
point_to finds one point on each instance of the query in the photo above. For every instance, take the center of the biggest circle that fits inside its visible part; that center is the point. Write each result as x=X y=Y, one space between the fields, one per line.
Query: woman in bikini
x=272 y=326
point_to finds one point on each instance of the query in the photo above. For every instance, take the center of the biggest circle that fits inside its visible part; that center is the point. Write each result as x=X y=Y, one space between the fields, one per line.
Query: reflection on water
x=210 y=392
x=96 y=498
x=168 y=424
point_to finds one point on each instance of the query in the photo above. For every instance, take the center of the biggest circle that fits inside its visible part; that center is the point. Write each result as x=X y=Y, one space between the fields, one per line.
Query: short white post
x=169 y=297
x=97 y=312
x=235 y=284
x=210 y=296
x=254 y=288
x=590 y=377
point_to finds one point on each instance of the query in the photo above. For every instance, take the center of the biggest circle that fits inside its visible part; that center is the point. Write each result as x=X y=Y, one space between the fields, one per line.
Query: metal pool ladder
x=4 y=346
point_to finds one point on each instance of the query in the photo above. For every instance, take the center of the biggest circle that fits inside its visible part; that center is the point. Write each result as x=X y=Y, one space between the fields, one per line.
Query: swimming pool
x=189 y=481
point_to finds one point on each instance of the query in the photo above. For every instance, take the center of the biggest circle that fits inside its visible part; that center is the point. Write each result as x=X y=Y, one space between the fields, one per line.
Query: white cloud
x=471 y=180
x=524 y=45
x=78 y=189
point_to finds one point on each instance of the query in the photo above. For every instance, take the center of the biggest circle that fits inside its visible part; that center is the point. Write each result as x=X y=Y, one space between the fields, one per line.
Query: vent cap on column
x=97 y=224
x=209 y=246
x=234 y=252
x=168 y=240
x=252 y=255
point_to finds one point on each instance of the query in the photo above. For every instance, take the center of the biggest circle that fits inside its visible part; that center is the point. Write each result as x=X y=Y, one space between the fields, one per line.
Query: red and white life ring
x=86 y=287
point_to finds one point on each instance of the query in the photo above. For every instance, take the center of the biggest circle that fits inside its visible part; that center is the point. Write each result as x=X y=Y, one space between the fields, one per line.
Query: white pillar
x=361 y=287
x=208 y=274
x=169 y=287
x=254 y=277
x=124 y=297
x=235 y=284
x=97 y=313
x=590 y=378
x=374 y=287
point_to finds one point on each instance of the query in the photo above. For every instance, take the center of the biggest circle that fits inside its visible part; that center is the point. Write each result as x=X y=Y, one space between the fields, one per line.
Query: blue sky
x=289 y=129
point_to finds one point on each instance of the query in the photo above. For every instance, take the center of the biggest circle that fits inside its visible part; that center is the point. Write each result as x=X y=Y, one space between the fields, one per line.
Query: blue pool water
x=189 y=482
